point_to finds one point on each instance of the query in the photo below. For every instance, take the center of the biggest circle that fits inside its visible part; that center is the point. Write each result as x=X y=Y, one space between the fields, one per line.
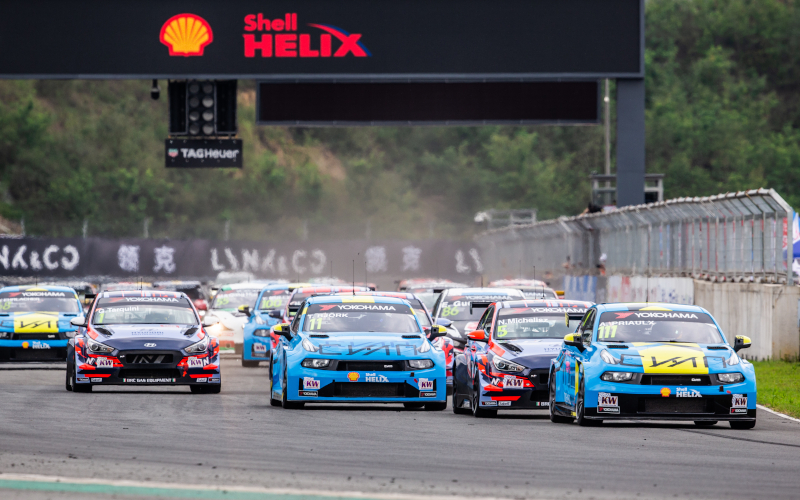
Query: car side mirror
x=574 y=340
x=436 y=331
x=283 y=330
x=276 y=313
x=79 y=321
x=444 y=322
x=478 y=336
x=741 y=342
x=244 y=310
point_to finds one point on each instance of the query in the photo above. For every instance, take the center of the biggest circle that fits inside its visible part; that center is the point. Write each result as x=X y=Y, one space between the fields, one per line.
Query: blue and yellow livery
x=357 y=349
x=35 y=322
x=650 y=361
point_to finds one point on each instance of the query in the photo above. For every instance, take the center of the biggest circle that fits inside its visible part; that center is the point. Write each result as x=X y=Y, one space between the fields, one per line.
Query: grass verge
x=779 y=385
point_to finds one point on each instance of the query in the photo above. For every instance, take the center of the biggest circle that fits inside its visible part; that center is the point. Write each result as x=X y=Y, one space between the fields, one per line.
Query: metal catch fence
x=728 y=237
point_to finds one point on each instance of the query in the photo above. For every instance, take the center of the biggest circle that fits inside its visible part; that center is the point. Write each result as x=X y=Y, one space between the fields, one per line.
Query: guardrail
x=728 y=237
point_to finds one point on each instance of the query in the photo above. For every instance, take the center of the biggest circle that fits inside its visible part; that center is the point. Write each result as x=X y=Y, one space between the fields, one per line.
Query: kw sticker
x=36 y=322
x=676 y=358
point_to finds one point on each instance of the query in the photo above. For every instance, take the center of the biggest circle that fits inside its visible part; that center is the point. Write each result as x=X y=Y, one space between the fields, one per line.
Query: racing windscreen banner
x=131 y=258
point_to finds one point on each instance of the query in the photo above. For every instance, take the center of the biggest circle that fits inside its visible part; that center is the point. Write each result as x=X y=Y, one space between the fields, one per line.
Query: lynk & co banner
x=75 y=257
x=322 y=39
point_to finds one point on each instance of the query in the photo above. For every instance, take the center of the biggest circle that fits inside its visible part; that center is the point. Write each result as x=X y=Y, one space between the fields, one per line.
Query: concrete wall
x=768 y=314
x=644 y=289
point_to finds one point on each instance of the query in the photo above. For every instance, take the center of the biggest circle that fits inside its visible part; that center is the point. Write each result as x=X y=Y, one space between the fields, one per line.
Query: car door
x=570 y=373
x=474 y=348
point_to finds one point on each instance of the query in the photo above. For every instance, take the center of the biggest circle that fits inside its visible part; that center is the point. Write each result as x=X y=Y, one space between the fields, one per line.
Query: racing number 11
x=318 y=324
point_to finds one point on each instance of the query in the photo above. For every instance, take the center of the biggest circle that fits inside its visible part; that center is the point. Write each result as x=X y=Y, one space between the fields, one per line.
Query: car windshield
x=539 y=294
x=528 y=323
x=144 y=310
x=232 y=299
x=428 y=298
x=360 y=317
x=43 y=300
x=658 y=326
x=274 y=299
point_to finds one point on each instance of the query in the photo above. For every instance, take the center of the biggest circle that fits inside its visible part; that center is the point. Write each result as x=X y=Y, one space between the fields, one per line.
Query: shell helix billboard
x=321 y=39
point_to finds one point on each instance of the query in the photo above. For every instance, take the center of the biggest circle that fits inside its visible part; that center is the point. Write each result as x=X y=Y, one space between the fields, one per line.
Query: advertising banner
x=203 y=153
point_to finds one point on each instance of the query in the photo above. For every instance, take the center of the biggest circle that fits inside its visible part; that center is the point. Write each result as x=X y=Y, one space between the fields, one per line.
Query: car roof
x=338 y=299
x=648 y=306
x=517 y=304
x=482 y=291
x=142 y=293
x=330 y=289
x=243 y=286
x=286 y=286
x=37 y=288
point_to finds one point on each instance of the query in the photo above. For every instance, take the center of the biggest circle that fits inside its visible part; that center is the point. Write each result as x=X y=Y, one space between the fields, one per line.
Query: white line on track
x=41 y=478
x=787 y=417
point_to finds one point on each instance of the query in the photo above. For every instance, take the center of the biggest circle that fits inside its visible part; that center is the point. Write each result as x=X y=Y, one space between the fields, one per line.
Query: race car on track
x=266 y=314
x=224 y=319
x=533 y=289
x=357 y=349
x=444 y=343
x=427 y=290
x=463 y=307
x=142 y=338
x=506 y=361
x=35 y=322
x=652 y=362
x=192 y=289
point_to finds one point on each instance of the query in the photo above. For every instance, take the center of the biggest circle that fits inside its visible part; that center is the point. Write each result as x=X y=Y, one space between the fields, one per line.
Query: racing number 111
x=606 y=331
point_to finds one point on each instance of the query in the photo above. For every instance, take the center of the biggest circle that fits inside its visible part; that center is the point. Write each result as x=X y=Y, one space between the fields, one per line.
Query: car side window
x=294 y=328
x=436 y=305
x=486 y=320
x=587 y=326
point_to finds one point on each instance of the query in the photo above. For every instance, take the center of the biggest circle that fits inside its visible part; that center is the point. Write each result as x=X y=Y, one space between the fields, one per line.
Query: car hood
x=531 y=353
x=38 y=322
x=370 y=346
x=136 y=336
x=673 y=357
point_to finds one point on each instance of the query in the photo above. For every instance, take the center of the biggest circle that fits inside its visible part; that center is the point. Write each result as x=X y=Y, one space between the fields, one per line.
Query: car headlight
x=730 y=378
x=261 y=333
x=198 y=347
x=420 y=364
x=616 y=376
x=506 y=365
x=309 y=346
x=608 y=357
x=316 y=363
x=97 y=346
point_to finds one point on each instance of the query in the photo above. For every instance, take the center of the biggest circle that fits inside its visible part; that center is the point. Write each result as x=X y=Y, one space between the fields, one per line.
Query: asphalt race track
x=168 y=435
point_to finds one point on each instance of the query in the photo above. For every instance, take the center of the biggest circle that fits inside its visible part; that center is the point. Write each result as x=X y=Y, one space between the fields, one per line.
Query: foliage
x=723 y=114
x=779 y=385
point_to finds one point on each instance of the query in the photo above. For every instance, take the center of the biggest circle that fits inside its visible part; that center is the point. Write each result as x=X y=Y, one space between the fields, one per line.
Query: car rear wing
x=479 y=305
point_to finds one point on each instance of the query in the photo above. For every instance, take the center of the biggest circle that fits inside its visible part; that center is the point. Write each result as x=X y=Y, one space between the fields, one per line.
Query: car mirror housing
x=574 y=340
x=244 y=310
x=436 y=331
x=444 y=322
x=478 y=336
x=283 y=330
x=276 y=313
x=79 y=321
x=741 y=342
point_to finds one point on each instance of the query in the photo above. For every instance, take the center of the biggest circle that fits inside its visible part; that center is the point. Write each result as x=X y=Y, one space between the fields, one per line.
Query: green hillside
x=723 y=113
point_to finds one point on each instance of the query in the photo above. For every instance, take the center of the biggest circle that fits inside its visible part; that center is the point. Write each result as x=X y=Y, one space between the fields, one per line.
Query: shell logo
x=25 y=345
x=186 y=35
x=665 y=392
x=352 y=376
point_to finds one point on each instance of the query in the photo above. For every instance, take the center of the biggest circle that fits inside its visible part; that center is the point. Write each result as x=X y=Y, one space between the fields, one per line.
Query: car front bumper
x=421 y=386
x=33 y=350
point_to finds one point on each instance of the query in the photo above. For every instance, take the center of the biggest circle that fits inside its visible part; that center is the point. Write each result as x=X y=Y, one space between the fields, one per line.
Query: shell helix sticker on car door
x=673 y=358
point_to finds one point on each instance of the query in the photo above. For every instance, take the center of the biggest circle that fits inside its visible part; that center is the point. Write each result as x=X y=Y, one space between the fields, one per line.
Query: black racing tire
x=742 y=424
x=455 y=399
x=580 y=411
x=554 y=417
x=477 y=411
x=197 y=389
x=250 y=364
x=289 y=405
x=238 y=349
x=705 y=423
x=269 y=372
x=71 y=376
x=436 y=406
x=68 y=380
x=412 y=406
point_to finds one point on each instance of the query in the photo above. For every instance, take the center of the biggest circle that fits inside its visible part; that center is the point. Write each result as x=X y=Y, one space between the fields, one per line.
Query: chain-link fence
x=728 y=237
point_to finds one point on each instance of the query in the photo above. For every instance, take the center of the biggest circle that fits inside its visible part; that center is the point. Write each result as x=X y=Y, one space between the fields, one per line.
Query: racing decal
x=148 y=380
x=36 y=322
x=353 y=376
x=512 y=382
x=35 y=344
x=606 y=403
x=366 y=348
x=488 y=403
x=360 y=307
x=542 y=403
x=427 y=394
x=259 y=347
x=685 y=392
x=201 y=379
x=504 y=403
x=374 y=377
x=738 y=410
x=196 y=362
x=739 y=401
x=665 y=392
x=96 y=379
x=673 y=358
x=104 y=362
x=309 y=394
x=425 y=384
x=311 y=383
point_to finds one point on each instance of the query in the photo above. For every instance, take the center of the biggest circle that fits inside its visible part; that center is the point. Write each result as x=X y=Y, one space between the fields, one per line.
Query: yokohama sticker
x=427 y=394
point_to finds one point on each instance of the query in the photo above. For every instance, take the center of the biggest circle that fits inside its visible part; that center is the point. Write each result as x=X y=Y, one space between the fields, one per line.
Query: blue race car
x=143 y=338
x=506 y=361
x=35 y=322
x=359 y=350
x=267 y=313
x=652 y=362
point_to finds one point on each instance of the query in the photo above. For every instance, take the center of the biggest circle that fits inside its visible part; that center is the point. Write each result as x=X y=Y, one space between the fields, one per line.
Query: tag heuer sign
x=203 y=153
